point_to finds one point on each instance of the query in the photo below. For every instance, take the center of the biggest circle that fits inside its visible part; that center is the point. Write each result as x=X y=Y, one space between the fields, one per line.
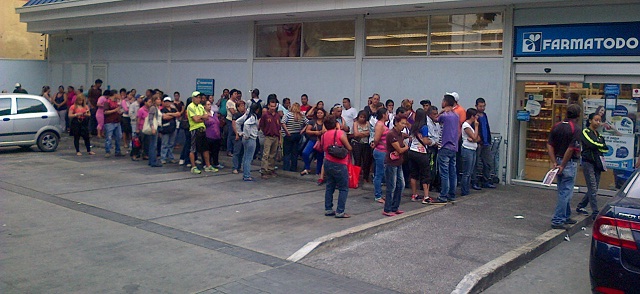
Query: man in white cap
x=459 y=110
x=19 y=89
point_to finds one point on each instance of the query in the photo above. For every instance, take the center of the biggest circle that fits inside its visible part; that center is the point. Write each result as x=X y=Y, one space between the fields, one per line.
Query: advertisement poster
x=618 y=129
x=620 y=154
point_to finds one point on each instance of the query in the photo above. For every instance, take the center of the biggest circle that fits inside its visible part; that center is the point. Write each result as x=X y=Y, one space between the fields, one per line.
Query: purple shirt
x=213 y=127
x=449 y=121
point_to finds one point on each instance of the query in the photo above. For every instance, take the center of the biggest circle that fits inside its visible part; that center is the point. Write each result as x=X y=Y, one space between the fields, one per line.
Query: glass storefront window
x=549 y=101
x=282 y=40
x=467 y=34
x=309 y=39
x=406 y=36
x=330 y=38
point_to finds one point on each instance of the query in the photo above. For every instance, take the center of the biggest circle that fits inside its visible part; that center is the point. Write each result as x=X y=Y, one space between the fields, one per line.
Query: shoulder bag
x=335 y=150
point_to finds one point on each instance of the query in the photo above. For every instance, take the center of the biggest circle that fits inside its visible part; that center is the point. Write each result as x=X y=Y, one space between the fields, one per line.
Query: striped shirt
x=293 y=126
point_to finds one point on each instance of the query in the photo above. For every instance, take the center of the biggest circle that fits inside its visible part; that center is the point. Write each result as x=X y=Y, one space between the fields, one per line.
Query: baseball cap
x=167 y=99
x=454 y=94
x=425 y=102
x=195 y=93
x=18 y=85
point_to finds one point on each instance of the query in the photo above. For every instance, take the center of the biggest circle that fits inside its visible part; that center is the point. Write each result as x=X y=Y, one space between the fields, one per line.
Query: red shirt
x=305 y=108
x=328 y=140
x=270 y=124
x=112 y=117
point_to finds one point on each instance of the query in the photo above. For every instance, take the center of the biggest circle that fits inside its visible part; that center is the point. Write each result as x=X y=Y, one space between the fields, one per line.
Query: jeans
x=184 y=155
x=485 y=163
x=112 y=130
x=238 y=152
x=231 y=135
x=448 y=176
x=306 y=156
x=468 y=166
x=153 y=141
x=290 y=150
x=395 y=186
x=337 y=177
x=378 y=157
x=565 y=191
x=168 y=142
x=269 y=154
x=249 y=149
x=592 y=177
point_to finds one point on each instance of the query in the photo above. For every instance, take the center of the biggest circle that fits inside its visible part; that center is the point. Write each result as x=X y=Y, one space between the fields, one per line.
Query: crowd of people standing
x=392 y=146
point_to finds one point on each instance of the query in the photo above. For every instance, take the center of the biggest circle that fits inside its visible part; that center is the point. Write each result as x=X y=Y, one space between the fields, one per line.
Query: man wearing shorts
x=197 y=115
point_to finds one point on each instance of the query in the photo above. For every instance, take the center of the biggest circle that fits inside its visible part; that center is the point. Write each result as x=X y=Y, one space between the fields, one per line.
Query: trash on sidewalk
x=583 y=228
x=518 y=216
x=566 y=238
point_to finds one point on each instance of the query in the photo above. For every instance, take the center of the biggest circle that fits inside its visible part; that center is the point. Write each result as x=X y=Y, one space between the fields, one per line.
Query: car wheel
x=48 y=141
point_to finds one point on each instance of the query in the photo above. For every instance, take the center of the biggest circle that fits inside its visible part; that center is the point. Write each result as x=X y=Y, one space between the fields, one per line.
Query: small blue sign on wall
x=205 y=86
x=597 y=39
x=523 y=115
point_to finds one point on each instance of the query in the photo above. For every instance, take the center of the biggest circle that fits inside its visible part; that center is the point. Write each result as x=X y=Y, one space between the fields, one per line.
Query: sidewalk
x=272 y=223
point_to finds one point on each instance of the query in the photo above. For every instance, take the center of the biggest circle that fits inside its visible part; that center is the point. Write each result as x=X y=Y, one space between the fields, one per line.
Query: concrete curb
x=483 y=277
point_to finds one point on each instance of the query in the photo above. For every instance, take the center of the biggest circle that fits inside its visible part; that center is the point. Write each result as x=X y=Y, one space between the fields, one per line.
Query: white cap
x=454 y=94
x=167 y=99
x=18 y=85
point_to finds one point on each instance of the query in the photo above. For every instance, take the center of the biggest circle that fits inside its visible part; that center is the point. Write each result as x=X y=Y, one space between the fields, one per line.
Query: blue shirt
x=449 y=121
x=484 y=130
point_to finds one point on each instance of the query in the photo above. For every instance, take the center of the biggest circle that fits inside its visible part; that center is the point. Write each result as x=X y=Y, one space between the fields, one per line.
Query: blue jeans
x=592 y=177
x=468 y=166
x=565 y=191
x=290 y=149
x=378 y=158
x=112 y=130
x=184 y=155
x=337 y=177
x=306 y=156
x=153 y=151
x=395 y=186
x=238 y=152
x=249 y=149
x=231 y=135
x=448 y=176
x=168 y=142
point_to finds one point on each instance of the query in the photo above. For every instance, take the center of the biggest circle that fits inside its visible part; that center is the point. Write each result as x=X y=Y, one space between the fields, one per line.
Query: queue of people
x=393 y=147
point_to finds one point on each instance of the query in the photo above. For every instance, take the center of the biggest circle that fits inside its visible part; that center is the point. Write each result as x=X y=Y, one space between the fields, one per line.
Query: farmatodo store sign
x=595 y=39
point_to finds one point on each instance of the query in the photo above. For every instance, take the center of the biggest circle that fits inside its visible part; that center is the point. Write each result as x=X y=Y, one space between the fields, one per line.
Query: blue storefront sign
x=597 y=39
x=205 y=86
x=523 y=115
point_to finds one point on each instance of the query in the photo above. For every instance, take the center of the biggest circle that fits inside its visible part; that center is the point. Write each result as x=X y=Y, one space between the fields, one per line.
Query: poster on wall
x=620 y=154
x=617 y=128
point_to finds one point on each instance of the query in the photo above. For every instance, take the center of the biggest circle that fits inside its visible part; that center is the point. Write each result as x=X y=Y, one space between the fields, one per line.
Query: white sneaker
x=163 y=161
x=181 y=162
x=198 y=161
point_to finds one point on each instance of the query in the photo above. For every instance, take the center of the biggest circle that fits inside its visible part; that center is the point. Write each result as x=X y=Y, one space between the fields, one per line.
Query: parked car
x=614 y=264
x=27 y=120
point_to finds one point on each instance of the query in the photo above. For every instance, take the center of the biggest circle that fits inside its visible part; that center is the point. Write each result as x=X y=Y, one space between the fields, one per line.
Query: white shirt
x=350 y=115
x=434 y=131
x=465 y=138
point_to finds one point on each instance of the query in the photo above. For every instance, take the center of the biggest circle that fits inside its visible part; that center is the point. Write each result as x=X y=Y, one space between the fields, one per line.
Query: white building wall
x=32 y=74
x=426 y=78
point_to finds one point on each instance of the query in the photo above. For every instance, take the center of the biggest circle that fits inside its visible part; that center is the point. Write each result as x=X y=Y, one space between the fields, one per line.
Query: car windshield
x=632 y=190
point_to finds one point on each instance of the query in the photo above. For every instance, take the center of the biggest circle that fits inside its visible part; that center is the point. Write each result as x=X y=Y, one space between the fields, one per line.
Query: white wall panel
x=213 y=42
x=419 y=79
x=583 y=14
x=326 y=80
x=141 y=76
x=227 y=75
x=69 y=48
x=147 y=45
x=32 y=74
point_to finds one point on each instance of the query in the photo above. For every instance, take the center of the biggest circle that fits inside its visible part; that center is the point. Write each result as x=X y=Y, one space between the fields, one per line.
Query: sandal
x=92 y=153
x=304 y=172
x=249 y=179
x=342 y=215
x=78 y=153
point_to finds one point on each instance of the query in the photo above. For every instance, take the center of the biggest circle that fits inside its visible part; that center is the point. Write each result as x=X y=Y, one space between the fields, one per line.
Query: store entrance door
x=546 y=103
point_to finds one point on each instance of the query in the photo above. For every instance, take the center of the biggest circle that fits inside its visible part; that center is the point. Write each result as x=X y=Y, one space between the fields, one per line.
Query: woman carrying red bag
x=335 y=169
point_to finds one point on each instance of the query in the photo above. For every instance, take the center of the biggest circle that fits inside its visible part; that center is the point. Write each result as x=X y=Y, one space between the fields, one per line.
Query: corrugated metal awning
x=40 y=2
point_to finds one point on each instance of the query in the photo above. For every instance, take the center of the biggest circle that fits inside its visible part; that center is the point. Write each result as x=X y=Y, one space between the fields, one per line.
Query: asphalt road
x=563 y=269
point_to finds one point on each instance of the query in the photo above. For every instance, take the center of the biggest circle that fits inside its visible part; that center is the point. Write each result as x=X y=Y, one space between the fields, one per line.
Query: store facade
x=582 y=55
x=331 y=50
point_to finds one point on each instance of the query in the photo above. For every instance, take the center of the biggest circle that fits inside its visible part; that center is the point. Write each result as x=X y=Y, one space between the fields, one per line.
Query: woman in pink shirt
x=379 y=144
x=143 y=112
x=100 y=112
x=335 y=169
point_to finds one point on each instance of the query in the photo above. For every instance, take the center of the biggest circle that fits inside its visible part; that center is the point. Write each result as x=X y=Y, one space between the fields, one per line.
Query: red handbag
x=354 y=174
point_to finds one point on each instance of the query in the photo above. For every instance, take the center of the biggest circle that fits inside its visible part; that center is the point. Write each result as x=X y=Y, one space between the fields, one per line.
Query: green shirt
x=193 y=110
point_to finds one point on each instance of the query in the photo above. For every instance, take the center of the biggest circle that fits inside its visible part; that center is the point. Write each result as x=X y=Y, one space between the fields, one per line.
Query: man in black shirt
x=564 y=154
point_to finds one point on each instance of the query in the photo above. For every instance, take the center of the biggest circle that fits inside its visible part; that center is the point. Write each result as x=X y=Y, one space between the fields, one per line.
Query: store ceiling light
x=414 y=44
x=383 y=46
x=465 y=42
x=466 y=50
x=412 y=35
x=338 y=39
x=377 y=37
x=460 y=33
